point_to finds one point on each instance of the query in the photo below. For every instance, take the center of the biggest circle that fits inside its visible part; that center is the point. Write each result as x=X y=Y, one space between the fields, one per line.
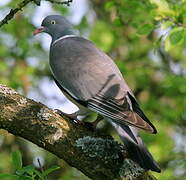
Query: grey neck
x=63 y=33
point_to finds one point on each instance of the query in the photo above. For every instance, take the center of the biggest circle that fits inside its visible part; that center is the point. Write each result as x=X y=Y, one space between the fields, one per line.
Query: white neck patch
x=63 y=37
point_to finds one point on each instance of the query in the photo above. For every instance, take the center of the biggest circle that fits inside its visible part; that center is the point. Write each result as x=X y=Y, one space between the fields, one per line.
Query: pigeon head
x=56 y=26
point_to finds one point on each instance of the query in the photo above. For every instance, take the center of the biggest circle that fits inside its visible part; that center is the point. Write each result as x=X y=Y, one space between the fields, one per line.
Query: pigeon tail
x=137 y=151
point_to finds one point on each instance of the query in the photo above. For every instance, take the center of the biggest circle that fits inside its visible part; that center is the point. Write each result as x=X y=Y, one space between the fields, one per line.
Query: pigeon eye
x=53 y=22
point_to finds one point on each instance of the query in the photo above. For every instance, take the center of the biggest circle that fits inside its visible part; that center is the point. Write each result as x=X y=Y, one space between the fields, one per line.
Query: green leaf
x=176 y=35
x=27 y=169
x=168 y=45
x=162 y=7
x=145 y=29
x=25 y=177
x=39 y=174
x=166 y=24
x=5 y=176
x=17 y=159
x=51 y=169
x=109 y=5
x=117 y=22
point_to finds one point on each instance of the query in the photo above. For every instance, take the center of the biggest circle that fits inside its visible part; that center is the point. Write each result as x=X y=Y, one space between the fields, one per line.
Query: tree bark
x=97 y=155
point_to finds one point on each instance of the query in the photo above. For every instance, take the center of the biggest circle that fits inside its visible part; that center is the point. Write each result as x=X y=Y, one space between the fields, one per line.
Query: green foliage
x=145 y=29
x=17 y=160
x=28 y=172
x=176 y=37
x=105 y=38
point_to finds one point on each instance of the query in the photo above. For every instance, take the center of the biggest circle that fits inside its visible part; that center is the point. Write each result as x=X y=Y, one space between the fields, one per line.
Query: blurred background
x=147 y=41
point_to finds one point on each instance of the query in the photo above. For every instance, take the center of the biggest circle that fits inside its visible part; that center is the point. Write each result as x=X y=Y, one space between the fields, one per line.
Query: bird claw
x=72 y=116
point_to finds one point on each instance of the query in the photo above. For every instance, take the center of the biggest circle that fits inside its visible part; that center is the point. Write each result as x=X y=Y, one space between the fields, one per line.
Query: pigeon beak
x=39 y=30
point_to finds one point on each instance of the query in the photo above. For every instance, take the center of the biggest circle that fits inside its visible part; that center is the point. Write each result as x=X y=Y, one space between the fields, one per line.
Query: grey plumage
x=90 y=75
x=90 y=78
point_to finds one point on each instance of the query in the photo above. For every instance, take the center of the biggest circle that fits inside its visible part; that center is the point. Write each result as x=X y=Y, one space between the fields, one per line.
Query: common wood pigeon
x=90 y=79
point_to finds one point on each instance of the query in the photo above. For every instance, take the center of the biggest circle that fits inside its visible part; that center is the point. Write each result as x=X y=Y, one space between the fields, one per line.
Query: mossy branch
x=96 y=155
x=23 y=3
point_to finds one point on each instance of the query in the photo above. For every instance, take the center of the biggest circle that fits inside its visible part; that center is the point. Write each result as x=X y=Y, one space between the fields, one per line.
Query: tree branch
x=96 y=155
x=22 y=4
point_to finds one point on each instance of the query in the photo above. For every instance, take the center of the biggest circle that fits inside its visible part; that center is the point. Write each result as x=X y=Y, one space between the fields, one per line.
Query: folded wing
x=123 y=111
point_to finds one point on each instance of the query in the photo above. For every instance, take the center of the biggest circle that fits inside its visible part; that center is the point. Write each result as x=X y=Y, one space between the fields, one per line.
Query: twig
x=12 y=12
x=22 y=4
x=61 y=2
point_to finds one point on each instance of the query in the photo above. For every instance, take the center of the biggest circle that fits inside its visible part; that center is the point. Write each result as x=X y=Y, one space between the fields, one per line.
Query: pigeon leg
x=92 y=125
x=72 y=116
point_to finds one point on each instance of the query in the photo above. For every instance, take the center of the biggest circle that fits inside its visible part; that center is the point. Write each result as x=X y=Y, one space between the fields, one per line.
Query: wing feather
x=120 y=113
